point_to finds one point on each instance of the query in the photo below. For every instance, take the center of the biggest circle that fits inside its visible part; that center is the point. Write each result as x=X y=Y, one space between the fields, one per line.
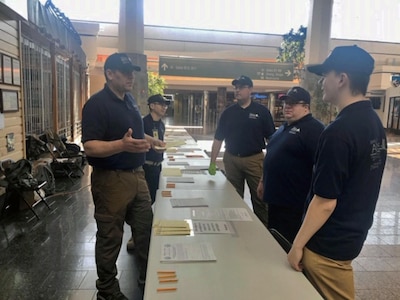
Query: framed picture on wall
x=7 y=70
x=1 y=68
x=16 y=70
x=8 y=101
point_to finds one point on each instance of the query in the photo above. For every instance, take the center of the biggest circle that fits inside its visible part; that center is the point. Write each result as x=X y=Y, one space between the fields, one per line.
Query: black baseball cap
x=347 y=59
x=158 y=99
x=120 y=62
x=296 y=95
x=242 y=80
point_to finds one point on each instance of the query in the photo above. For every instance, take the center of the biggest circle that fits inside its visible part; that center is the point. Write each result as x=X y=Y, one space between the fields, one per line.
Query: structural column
x=131 y=41
x=206 y=111
x=221 y=101
x=318 y=31
x=317 y=48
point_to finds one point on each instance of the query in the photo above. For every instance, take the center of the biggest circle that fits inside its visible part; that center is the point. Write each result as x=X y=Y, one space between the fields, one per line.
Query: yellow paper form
x=174 y=172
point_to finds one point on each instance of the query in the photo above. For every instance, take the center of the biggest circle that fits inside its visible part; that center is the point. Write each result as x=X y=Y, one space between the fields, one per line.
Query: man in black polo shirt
x=245 y=127
x=288 y=164
x=115 y=145
x=154 y=126
x=347 y=176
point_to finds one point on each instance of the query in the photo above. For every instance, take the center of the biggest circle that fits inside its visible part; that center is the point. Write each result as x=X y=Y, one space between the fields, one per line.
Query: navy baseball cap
x=296 y=95
x=242 y=80
x=158 y=99
x=120 y=62
x=347 y=59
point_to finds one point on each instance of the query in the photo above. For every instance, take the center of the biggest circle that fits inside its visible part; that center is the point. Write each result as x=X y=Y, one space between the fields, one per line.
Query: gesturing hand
x=131 y=144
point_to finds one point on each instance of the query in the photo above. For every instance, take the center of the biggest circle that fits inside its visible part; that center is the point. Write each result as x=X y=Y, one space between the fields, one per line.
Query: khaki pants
x=249 y=169
x=332 y=278
x=119 y=196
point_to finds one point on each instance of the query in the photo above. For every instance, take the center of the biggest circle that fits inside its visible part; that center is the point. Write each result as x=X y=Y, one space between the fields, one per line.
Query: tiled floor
x=53 y=258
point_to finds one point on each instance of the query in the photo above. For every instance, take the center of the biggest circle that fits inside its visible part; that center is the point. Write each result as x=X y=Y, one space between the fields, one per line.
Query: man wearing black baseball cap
x=121 y=62
x=288 y=164
x=245 y=127
x=115 y=145
x=347 y=175
x=155 y=127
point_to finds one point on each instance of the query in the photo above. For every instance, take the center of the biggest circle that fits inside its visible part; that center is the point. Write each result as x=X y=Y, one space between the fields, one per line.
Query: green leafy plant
x=156 y=84
x=292 y=50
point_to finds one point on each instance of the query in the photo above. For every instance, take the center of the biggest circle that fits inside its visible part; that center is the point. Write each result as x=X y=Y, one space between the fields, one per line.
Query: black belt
x=138 y=169
x=153 y=163
x=245 y=154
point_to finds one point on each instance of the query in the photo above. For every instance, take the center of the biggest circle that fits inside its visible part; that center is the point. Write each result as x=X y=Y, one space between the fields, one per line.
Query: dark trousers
x=119 y=196
x=152 y=174
x=286 y=220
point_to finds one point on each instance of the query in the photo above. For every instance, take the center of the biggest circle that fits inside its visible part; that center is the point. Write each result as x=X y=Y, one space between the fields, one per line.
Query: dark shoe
x=115 y=296
x=141 y=283
x=130 y=245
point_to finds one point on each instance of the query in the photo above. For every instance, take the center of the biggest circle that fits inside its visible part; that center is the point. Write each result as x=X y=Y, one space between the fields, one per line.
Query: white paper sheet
x=180 y=179
x=188 y=202
x=210 y=227
x=180 y=252
x=224 y=214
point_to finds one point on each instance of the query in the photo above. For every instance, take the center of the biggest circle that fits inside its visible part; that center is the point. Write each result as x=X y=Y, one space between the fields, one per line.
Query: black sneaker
x=115 y=296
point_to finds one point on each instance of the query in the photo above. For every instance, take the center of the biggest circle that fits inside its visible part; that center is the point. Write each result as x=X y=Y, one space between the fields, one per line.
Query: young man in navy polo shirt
x=245 y=127
x=155 y=127
x=288 y=164
x=347 y=176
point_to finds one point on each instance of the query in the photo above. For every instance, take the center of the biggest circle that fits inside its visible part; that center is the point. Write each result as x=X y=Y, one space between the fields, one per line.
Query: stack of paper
x=180 y=252
x=171 y=227
x=171 y=172
x=173 y=143
x=180 y=179
x=188 y=202
x=178 y=163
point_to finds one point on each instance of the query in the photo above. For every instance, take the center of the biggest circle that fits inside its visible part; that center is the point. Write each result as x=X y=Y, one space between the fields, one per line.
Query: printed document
x=181 y=252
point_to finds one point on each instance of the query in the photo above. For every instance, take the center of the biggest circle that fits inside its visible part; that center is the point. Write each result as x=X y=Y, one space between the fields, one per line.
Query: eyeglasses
x=241 y=87
x=161 y=104
x=294 y=103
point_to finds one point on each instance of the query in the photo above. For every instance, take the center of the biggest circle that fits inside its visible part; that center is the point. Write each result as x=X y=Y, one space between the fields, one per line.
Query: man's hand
x=294 y=257
x=130 y=144
x=212 y=169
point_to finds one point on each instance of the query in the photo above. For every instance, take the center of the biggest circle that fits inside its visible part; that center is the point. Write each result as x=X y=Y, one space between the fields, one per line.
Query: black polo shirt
x=105 y=117
x=245 y=129
x=151 y=126
x=350 y=160
x=289 y=161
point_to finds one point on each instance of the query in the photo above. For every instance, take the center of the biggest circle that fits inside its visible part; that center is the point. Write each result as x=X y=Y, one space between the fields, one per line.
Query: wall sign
x=16 y=70
x=7 y=70
x=9 y=101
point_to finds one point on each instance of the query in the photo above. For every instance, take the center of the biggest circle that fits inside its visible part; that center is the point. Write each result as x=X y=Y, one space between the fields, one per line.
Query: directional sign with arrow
x=192 y=67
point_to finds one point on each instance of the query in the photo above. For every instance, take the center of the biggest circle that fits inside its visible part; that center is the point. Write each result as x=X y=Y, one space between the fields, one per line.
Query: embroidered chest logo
x=294 y=130
x=253 y=116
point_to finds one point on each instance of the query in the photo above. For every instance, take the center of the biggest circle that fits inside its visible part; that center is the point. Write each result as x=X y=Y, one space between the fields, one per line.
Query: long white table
x=250 y=263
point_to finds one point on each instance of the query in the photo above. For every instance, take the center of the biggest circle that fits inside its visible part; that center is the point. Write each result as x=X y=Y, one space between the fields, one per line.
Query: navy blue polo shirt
x=289 y=161
x=245 y=129
x=149 y=127
x=105 y=117
x=350 y=160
